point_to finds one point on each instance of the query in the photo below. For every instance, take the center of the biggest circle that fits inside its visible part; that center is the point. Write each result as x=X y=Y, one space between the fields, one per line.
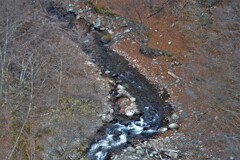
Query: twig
x=159 y=10
x=160 y=156
x=173 y=75
x=60 y=81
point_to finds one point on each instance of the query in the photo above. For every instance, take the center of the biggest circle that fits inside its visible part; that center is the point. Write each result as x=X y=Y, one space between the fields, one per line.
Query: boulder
x=106 y=38
x=107 y=117
x=97 y=23
x=173 y=126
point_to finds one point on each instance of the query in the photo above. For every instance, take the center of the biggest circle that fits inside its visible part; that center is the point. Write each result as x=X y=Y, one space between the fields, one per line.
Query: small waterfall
x=118 y=134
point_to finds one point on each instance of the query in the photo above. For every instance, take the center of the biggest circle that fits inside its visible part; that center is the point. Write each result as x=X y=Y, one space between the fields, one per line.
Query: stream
x=122 y=129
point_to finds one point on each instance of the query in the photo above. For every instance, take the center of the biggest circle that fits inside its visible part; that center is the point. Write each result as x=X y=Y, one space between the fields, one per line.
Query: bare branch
x=28 y=112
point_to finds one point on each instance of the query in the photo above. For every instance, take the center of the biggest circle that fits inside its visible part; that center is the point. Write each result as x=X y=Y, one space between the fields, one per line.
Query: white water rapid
x=118 y=134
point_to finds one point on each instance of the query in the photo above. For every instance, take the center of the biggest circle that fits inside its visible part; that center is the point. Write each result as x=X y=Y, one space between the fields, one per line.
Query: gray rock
x=154 y=61
x=140 y=152
x=125 y=23
x=120 y=87
x=139 y=148
x=174 y=116
x=130 y=149
x=127 y=30
x=166 y=140
x=78 y=16
x=107 y=117
x=70 y=9
x=173 y=126
x=80 y=11
x=107 y=72
x=145 y=40
x=173 y=155
x=231 y=158
x=162 y=129
x=102 y=29
x=132 y=99
x=97 y=23
x=121 y=93
x=106 y=38
x=129 y=112
x=154 y=152
x=151 y=155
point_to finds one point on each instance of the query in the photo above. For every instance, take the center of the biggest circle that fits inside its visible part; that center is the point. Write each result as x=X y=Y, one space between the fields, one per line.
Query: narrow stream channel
x=118 y=133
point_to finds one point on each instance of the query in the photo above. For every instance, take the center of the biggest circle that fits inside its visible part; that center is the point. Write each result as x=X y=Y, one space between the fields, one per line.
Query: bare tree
x=30 y=61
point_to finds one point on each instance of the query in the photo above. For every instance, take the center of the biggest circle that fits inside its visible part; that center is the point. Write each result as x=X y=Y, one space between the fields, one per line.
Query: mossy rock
x=106 y=38
x=102 y=10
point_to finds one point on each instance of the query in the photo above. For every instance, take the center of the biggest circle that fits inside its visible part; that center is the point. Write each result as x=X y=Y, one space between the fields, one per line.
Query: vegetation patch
x=74 y=106
x=102 y=10
x=22 y=149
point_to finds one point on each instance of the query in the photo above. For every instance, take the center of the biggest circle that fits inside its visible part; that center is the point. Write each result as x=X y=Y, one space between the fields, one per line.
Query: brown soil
x=206 y=115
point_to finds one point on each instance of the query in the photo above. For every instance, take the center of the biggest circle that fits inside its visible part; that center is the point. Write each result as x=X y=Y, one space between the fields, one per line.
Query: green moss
x=102 y=10
x=106 y=38
x=88 y=2
x=148 y=35
x=38 y=145
x=73 y=106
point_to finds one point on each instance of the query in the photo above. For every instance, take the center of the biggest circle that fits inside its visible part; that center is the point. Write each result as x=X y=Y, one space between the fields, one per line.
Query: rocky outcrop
x=151 y=52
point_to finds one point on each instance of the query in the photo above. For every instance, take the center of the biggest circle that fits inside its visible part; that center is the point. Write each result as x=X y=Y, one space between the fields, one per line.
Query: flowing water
x=150 y=104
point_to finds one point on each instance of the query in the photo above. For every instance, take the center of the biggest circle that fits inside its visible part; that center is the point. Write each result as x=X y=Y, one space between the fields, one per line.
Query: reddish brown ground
x=206 y=113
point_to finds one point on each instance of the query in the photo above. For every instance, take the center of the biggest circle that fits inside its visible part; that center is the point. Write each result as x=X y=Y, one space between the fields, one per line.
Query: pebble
x=162 y=129
x=154 y=152
x=132 y=99
x=139 y=147
x=120 y=87
x=174 y=116
x=115 y=75
x=140 y=152
x=125 y=24
x=173 y=126
x=107 y=72
x=166 y=140
x=130 y=149
x=173 y=155
x=127 y=31
x=78 y=16
x=231 y=158
x=80 y=11
x=129 y=113
x=107 y=118
x=145 y=40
